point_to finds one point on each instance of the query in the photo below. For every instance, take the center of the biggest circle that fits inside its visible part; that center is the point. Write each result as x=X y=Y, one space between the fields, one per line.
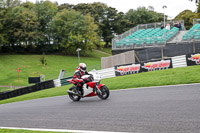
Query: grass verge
x=107 y=50
x=175 y=76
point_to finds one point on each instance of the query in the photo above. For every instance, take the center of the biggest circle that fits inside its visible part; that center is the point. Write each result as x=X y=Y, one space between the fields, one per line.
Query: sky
x=174 y=7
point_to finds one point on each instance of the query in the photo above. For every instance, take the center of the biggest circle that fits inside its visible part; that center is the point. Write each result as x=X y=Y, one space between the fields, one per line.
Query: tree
x=6 y=7
x=2 y=36
x=65 y=6
x=187 y=16
x=25 y=25
x=71 y=30
x=9 y=3
x=143 y=16
x=121 y=24
x=104 y=17
x=45 y=11
x=91 y=36
x=28 y=5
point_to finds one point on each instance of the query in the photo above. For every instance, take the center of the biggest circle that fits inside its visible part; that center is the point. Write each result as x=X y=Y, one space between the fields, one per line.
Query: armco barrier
x=64 y=81
x=25 y=90
x=61 y=82
x=107 y=73
x=179 y=61
x=104 y=73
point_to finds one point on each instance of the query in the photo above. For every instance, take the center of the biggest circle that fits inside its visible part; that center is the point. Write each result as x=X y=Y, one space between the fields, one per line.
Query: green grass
x=23 y=131
x=107 y=50
x=184 y=75
x=31 y=66
x=175 y=76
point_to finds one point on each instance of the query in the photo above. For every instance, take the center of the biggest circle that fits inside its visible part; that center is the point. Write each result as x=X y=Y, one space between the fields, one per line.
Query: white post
x=164 y=13
x=78 y=49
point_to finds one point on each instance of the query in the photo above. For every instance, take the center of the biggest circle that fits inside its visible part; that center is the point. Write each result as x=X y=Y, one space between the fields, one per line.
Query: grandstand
x=194 y=32
x=148 y=39
x=146 y=35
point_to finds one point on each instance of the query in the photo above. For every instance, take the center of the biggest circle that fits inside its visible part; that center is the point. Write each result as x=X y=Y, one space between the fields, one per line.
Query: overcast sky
x=174 y=7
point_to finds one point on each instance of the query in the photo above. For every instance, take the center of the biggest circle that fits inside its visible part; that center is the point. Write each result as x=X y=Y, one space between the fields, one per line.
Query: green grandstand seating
x=147 y=37
x=193 y=32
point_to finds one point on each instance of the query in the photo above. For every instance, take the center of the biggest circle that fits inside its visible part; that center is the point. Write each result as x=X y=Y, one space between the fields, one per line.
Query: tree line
x=45 y=26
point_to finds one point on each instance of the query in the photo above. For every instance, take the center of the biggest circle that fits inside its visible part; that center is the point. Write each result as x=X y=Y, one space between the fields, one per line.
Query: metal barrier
x=107 y=73
x=28 y=89
x=179 y=61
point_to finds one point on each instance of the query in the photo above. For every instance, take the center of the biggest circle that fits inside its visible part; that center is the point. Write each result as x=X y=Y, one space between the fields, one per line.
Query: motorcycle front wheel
x=104 y=93
x=72 y=96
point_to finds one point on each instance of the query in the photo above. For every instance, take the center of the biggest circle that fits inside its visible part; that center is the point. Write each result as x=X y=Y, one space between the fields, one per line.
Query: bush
x=43 y=60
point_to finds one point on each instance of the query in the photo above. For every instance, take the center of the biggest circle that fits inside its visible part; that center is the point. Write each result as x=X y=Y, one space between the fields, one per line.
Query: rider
x=79 y=72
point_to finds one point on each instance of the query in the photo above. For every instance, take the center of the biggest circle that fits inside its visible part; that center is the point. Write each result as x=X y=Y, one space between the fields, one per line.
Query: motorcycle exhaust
x=71 y=92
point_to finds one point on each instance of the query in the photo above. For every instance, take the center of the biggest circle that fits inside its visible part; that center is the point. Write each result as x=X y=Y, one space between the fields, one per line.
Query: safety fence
x=120 y=70
x=179 y=61
x=104 y=73
x=28 y=89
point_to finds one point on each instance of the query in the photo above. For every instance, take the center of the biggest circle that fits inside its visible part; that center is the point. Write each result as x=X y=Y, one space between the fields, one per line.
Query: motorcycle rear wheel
x=104 y=92
x=72 y=96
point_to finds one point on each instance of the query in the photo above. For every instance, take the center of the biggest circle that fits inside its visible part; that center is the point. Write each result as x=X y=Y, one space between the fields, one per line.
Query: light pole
x=164 y=13
x=78 y=49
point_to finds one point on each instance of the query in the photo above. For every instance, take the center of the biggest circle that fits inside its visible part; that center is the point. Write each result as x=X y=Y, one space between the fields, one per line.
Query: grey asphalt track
x=172 y=109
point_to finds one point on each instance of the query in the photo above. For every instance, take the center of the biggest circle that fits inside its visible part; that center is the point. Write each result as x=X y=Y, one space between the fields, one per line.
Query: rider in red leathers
x=79 y=72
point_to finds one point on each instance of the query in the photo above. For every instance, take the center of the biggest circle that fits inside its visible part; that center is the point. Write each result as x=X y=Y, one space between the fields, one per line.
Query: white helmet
x=82 y=67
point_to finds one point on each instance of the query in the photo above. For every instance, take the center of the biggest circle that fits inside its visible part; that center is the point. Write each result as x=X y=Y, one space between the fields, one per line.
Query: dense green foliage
x=40 y=27
x=185 y=75
x=47 y=27
x=187 y=16
x=148 y=15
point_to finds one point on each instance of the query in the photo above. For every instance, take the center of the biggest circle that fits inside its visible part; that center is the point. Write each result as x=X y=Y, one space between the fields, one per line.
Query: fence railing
x=126 y=40
x=196 y=21
x=146 y=26
x=179 y=61
x=107 y=73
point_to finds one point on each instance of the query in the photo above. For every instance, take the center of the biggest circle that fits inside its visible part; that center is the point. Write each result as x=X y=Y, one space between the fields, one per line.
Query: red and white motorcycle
x=89 y=89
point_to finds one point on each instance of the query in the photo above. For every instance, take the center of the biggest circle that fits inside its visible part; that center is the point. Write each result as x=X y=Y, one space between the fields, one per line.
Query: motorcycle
x=89 y=89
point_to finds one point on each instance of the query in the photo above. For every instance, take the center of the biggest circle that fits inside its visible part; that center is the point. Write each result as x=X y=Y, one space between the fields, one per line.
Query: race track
x=169 y=109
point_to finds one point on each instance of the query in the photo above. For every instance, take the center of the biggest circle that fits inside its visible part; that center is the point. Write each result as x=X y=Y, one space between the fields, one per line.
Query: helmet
x=82 y=67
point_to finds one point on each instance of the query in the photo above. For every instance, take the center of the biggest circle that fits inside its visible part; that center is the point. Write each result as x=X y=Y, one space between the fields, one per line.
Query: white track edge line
x=59 y=130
